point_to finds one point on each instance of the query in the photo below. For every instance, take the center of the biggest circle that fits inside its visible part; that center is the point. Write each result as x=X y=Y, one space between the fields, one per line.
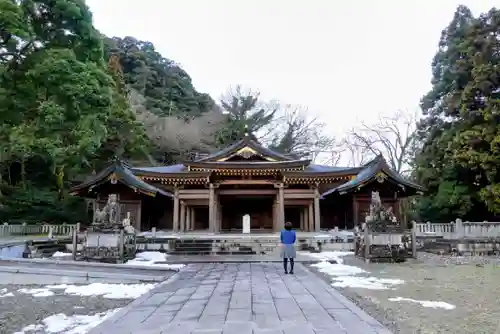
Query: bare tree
x=393 y=137
x=180 y=137
x=294 y=132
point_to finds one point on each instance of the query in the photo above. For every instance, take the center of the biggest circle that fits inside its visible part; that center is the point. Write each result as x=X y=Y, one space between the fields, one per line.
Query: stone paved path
x=245 y=298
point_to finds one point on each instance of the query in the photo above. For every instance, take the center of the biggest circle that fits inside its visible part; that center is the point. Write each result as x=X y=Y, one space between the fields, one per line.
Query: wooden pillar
x=302 y=219
x=139 y=216
x=216 y=213
x=193 y=219
x=188 y=218
x=211 y=208
x=175 y=218
x=355 y=210
x=219 y=217
x=317 y=213
x=183 y=217
x=310 y=218
x=281 y=206
x=275 y=216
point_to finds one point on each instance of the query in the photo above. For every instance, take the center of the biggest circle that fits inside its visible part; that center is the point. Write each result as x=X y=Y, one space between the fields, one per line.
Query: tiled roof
x=369 y=172
x=125 y=176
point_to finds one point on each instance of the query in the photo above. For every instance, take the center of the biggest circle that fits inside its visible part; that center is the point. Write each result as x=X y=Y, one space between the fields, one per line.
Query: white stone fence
x=458 y=229
x=50 y=230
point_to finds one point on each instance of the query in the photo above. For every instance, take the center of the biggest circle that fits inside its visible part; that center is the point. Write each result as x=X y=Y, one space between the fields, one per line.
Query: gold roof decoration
x=246 y=153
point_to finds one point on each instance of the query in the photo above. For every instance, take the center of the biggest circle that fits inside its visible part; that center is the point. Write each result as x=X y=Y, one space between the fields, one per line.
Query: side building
x=213 y=193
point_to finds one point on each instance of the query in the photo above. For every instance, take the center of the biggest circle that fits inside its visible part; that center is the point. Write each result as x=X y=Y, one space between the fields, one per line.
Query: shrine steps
x=234 y=244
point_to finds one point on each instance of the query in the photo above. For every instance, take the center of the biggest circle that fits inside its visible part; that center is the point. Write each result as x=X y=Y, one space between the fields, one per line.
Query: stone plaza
x=241 y=298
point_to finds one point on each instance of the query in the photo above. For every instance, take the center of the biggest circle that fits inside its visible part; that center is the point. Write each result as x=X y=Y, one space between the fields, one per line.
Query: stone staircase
x=238 y=245
x=223 y=246
x=191 y=247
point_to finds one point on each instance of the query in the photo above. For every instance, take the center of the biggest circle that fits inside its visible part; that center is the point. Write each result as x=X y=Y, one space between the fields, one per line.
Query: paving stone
x=246 y=298
x=238 y=328
x=135 y=316
x=239 y=315
x=351 y=322
x=157 y=299
x=267 y=331
x=300 y=329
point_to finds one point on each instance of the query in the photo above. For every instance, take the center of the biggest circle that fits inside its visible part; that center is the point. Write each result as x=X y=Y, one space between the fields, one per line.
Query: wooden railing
x=50 y=230
x=459 y=229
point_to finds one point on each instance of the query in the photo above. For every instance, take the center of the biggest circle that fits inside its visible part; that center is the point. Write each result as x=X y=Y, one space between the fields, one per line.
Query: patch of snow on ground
x=63 y=324
x=151 y=259
x=41 y=292
x=106 y=290
x=345 y=276
x=4 y=293
x=61 y=254
x=424 y=303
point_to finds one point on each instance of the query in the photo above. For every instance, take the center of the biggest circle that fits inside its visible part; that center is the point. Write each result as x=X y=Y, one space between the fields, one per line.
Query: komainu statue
x=127 y=226
x=108 y=217
x=380 y=218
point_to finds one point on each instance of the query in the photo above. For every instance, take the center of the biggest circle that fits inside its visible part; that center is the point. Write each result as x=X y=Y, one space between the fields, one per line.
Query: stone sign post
x=246 y=223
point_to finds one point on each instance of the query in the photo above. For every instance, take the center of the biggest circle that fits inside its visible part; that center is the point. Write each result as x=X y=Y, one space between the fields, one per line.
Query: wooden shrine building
x=213 y=193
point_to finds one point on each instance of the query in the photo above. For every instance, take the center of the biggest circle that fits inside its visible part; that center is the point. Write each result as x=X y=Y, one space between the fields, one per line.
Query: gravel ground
x=23 y=309
x=472 y=284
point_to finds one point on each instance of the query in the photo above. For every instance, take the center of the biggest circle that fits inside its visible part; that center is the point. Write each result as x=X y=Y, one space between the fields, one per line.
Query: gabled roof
x=289 y=164
x=373 y=170
x=119 y=171
x=246 y=145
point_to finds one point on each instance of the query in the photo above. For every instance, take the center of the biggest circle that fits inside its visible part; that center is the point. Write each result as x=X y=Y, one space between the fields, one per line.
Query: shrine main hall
x=213 y=193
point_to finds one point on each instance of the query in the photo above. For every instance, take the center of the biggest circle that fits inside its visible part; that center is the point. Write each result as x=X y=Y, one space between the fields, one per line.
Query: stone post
x=75 y=243
x=459 y=232
x=153 y=232
x=414 y=239
x=121 y=245
x=367 y=242
x=51 y=232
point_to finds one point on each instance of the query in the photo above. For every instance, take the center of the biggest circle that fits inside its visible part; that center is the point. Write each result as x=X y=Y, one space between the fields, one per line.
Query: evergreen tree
x=459 y=130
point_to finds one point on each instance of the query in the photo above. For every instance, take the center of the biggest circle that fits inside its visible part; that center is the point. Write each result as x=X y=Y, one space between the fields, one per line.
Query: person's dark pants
x=285 y=265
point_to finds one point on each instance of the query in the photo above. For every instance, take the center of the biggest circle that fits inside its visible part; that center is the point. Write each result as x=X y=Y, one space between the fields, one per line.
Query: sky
x=345 y=60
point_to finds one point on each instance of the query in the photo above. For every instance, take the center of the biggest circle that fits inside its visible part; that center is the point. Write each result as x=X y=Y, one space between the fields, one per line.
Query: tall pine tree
x=459 y=129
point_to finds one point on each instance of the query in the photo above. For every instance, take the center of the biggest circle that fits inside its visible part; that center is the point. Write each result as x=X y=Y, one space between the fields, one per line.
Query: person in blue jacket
x=288 y=238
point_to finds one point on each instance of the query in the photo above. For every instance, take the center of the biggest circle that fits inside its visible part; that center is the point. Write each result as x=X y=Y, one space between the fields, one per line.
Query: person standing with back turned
x=288 y=238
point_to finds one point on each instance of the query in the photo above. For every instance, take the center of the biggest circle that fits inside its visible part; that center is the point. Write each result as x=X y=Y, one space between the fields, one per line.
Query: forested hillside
x=72 y=100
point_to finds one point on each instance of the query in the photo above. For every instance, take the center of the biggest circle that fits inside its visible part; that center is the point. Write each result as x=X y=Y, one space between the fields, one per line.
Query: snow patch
x=4 y=293
x=425 y=303
x=106 y=290
x=41 y=292
x=346 y=276
x=151 y=259
x=61 y=254
x=75 y=324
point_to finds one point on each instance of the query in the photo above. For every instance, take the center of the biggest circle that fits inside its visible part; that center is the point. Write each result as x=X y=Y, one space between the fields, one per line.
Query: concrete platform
x=245 y=298
x=86 y=270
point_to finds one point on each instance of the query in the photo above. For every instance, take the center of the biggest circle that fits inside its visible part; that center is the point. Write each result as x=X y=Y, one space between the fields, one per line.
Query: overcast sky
x=347 y=60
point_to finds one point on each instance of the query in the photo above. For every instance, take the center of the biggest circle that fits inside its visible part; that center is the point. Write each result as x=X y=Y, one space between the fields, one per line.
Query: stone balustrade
x=8 y=230
x=458 y=230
